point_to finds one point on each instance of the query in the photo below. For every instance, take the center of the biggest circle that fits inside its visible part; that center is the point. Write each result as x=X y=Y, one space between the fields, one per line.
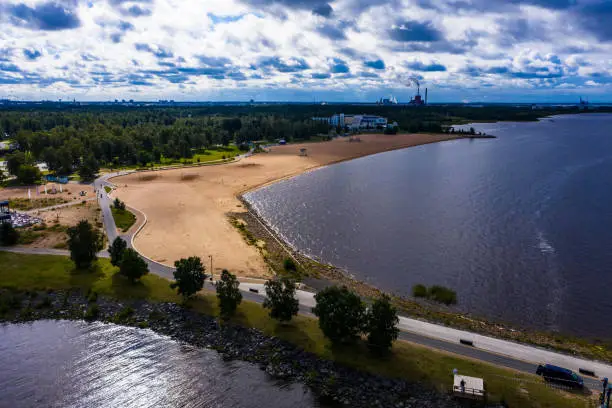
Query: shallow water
x=78 y=364
x=518 y=226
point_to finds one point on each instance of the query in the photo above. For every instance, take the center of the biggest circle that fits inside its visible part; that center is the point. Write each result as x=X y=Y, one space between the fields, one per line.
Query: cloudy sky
x=304 y=50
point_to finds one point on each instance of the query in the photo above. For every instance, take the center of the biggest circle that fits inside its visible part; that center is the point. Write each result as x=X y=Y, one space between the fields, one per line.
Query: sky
x=306 y=50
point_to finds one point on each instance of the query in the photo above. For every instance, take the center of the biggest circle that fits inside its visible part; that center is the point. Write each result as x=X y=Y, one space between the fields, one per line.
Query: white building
x=354 y=121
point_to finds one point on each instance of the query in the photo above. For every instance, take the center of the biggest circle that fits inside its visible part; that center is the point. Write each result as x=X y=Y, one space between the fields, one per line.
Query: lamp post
x=211 y=267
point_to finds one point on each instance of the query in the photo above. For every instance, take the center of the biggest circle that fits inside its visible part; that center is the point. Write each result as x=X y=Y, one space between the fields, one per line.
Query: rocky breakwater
x=280 y=359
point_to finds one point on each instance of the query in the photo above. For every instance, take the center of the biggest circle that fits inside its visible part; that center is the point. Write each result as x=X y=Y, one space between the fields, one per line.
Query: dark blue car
x=560 y=375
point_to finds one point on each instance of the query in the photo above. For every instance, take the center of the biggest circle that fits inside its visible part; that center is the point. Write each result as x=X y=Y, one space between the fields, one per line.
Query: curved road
x=504 y=353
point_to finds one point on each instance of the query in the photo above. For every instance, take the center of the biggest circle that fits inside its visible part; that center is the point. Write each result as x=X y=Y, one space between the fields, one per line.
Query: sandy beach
x=187 y=209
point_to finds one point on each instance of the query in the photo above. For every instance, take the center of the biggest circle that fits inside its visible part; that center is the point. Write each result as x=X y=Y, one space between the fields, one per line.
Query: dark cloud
x=32 y=54
x=376 y=64
x=159 y=51
x=332 y=32
x=596 y=17
x=237 y=76
x=290 y=65
x=9 y=67
x=368 y=75
x=340 y=68
x=5 y=54
x=214 y=61
x=89 y=57
x=49 y=16
x=419 y=66
x=137 y=11
x=125 y=26
x=321 y=76
x=324 y=10
x=414 y=31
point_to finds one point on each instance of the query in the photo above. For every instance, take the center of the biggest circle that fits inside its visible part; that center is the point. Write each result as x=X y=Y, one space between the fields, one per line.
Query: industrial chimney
x=425 y=96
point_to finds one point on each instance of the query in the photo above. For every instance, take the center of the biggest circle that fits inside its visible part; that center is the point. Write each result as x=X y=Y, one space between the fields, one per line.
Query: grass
x=24 y=204
x=205 y=155
x=107 y=189
x=124 y=219
x=412 y=362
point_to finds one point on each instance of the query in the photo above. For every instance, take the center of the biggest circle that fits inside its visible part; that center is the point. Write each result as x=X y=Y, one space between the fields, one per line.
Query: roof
x=559 y=369
x=5 y=202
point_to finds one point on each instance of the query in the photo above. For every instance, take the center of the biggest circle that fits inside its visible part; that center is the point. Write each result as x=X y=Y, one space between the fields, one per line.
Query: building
x=354 y=122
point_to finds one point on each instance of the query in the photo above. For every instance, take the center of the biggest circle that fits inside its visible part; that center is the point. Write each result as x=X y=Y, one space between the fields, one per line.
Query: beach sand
x=187 y=208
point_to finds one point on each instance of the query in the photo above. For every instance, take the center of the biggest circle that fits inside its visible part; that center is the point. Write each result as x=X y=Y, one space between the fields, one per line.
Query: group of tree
x=343 y=317
x=130 y=263
x=118 y=204
x=22 y=166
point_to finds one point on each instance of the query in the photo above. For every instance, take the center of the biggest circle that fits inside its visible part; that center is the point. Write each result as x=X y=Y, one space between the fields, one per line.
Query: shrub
x=340 y=312
x=443 y=295
x=132 y=266
x=289 y=265
x=8 y=235
x=92 y=313
x=419 y=291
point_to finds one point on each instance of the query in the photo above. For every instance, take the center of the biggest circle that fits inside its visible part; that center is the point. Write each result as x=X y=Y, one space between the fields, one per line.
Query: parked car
x=560 y=375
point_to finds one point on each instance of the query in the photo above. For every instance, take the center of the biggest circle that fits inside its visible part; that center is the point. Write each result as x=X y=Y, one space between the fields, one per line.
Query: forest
x=71 y=137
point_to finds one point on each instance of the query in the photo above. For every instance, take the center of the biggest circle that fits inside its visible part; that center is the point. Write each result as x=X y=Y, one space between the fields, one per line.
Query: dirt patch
x=148 y=176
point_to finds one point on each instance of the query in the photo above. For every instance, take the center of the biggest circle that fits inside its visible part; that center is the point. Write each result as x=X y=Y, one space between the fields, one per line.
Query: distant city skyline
x=525 y=51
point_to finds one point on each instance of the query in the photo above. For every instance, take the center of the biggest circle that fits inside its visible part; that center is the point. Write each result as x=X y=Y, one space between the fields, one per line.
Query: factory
x=354 y=122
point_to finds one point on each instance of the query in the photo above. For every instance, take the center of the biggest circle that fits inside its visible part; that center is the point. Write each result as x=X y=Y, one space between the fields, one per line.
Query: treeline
x=65 y=140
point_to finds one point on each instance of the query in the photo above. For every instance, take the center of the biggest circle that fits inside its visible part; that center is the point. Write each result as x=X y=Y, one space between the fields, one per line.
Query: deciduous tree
x=382 y=323
x=280 y=299
x=189 y=276
x=132 y=266
x=84 y=242
x=228 y=294
x=116 y=250
x=340 y=312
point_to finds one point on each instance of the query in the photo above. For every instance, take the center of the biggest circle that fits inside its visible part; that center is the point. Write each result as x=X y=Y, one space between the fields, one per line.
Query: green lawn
x=203 y=156
x=124 y=219
x=107 y=189
x=412 y=362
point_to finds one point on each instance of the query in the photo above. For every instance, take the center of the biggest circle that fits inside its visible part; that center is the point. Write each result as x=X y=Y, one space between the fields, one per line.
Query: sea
x=520 y=226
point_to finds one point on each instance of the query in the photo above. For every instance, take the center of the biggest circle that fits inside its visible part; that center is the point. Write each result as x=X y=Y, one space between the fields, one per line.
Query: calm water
x=75 y=364
x=519 y=225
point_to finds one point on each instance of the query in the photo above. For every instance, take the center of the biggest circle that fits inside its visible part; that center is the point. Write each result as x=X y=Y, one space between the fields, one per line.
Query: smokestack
x=425 y=96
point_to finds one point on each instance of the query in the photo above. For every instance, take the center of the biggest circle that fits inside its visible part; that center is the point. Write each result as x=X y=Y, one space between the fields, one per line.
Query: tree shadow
x=86 y=278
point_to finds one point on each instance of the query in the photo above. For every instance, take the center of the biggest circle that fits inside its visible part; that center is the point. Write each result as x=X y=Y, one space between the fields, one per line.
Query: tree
x=2 y=176
x=8 y=234
x=228 y=294
x=280 y=299
x=14 y=162
x=89 y=168
x=189 y=276
x=118 y=204
x=340 y=312
x=84 y=242
x=28 y=174
x=116 y=250
x=132 y=266
x=382 y=323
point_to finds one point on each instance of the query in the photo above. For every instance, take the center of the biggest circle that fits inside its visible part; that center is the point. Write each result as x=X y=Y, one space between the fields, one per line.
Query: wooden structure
x=468 y=387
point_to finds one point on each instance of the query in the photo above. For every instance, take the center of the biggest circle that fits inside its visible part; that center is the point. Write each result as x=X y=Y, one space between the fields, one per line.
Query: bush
x=280 y=299
x=340 y=312
x=289 y=265
x=436 y=293
x=420 y=291
x=92 y=313
x=228 y=294
x=8 y=235
x=443 y=295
